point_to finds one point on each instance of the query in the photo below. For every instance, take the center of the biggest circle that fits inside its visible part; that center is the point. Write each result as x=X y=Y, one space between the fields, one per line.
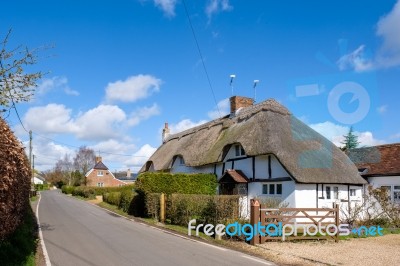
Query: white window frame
x=100 y=173
x=394 y=190
x=239 y=151
x=274 y=187
x=100 y=184
x=352 y=192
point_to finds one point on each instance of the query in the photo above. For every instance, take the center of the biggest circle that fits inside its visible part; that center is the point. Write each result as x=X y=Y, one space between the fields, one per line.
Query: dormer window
x=239 y=151
x=181 y=161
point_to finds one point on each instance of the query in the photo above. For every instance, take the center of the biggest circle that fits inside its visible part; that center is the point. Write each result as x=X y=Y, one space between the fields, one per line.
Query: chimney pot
x=165 y=132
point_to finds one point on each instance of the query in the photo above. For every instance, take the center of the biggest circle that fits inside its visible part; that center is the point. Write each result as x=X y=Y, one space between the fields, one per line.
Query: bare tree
x=65 y=167
x=16 y=84
x=84 y=160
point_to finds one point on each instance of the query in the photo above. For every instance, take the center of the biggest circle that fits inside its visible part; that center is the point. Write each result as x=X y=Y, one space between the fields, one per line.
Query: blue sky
x=118 y=70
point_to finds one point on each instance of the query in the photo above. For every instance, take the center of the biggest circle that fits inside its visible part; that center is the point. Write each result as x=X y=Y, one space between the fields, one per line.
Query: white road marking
x=45 y=254
x=257 y=260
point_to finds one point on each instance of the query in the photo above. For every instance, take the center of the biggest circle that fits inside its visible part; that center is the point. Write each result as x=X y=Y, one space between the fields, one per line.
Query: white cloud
x=388 y=29
x=143 y=114
x=167 y=6
x=141 y=156
x=382 y=109
x=223 y=107
x=388 y=55
x=55 y=83
x=184 y=124
x=52 y=118
x=216 y=6
x=101 y=122
x=133 y=88
x=335 y=133
x=47 y=153
x=356 y=60
x=71 y=92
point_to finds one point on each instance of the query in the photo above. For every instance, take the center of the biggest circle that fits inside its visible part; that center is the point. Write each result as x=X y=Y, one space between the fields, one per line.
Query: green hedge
x=124 y=199
x=41 y=187
x=93 y=191
x=177 y=183
x=211 y=209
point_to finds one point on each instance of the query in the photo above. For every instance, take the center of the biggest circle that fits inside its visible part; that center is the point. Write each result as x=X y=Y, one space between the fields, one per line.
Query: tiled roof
x=237 y=175
x=100 y=166
x=378 y=160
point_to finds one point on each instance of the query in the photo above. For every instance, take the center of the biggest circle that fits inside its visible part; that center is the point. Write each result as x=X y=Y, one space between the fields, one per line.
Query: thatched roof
x=265 y=128
x=382 y=160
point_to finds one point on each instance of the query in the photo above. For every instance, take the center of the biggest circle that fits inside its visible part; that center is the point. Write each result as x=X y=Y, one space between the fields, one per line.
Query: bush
x=41 y=187
x=124 y=200
x=67 y=189
x=153 y=204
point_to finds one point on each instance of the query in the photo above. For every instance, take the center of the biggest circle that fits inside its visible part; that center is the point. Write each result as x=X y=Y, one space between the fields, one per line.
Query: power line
x=201 y=56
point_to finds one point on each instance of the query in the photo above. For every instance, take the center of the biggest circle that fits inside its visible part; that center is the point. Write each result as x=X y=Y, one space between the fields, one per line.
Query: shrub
x=67 y=189
x=153 y=204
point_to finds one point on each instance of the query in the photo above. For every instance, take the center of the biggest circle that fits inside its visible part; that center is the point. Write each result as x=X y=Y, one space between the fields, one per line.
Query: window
x=328 y=192
x=239 y=151
x=352 y=192
x=100 y=184
x=279 y=189
x=335 y=192
x=396 y=193
x=272 y=189
x=181 y=161
x=100 y=173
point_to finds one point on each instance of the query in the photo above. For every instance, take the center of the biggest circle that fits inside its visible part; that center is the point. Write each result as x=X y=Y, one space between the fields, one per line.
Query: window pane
x=396 y=187
x=271 y=189
x=352 y=192
x=265 y=189
x=279 y=189
x=335 y=192
x=237 y=150
x=242 y=151
x=328 y=192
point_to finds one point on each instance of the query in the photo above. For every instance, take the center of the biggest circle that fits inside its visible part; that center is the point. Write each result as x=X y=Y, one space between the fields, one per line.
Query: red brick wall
x=107 y=179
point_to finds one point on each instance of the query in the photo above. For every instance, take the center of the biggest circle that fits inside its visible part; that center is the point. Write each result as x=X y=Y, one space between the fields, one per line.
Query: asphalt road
x=78 y=233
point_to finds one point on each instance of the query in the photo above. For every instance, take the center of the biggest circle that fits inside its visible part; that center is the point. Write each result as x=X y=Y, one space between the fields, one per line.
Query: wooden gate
x=324 y=223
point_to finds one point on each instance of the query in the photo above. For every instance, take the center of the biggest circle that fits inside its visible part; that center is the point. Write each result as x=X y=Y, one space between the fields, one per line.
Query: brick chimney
x=239 y=102
x=98 y=159
x=165 y=133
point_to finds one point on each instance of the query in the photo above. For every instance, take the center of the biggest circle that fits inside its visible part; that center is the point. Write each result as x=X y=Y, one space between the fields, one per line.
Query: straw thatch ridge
x=265 y=128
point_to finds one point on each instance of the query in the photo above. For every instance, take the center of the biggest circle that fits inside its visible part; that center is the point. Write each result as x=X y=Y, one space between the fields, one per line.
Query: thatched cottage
x=262 y=150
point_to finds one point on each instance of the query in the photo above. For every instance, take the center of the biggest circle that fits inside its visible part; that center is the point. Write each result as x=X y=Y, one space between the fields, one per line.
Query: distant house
x=126 y=176
x=262 y=151
x=380 y=165
x=100 y=176
x=38 y=180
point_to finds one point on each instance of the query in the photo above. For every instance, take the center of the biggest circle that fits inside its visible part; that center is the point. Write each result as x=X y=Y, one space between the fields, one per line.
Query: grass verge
x=20 y=247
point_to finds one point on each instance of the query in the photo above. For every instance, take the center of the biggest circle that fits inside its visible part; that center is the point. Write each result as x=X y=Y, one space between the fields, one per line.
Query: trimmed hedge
x=93 y=191
x=211 y=209
x=168 y=183
x=124 y=199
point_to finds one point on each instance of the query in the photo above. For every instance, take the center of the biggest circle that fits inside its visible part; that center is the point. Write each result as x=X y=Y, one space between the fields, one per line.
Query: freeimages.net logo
x=280 y=230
